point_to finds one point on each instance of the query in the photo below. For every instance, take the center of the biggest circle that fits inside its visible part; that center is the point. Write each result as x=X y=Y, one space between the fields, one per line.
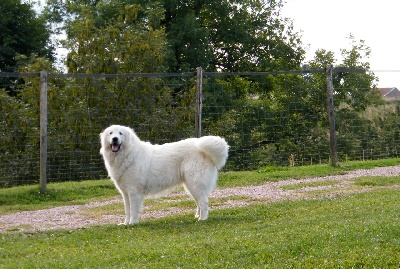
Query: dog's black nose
x=115 y=139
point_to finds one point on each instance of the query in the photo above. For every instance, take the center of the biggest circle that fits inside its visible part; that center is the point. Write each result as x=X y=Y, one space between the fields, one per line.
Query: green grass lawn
x=359 y=231
x=351 y=231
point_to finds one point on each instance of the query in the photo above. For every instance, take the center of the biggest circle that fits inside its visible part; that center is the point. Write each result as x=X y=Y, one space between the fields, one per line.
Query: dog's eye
x=120 y=133
x=111 y=133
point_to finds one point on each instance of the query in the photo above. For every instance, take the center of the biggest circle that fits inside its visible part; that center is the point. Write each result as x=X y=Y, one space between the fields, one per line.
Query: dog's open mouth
x=115 y=147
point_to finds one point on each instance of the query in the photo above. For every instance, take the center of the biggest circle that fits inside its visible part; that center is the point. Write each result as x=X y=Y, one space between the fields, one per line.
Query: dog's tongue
x=114 y=148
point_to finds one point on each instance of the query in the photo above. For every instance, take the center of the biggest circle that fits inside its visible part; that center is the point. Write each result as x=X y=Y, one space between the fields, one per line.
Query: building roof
x=389 y=92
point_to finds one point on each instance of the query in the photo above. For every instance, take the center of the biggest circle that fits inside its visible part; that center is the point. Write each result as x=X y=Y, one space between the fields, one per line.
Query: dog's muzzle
x=115 y=144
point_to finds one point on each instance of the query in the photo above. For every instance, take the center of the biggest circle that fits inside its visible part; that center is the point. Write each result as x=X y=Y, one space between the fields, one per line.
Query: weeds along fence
x=50 y=123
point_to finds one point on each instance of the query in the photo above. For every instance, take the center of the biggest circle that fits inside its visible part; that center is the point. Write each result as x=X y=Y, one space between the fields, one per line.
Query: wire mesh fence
x=267 y=119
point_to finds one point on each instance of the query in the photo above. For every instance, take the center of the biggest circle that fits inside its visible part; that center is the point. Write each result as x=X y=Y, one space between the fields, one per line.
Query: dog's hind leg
x=199 y=181
x=202 y=208
x=200 y=195
x=197 y=212
x=202 y=204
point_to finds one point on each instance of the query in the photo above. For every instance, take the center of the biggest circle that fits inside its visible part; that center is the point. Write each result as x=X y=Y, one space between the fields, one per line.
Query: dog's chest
x=120 y=166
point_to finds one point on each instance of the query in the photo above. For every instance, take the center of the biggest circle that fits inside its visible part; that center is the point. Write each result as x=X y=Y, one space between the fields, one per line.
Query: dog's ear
x=101 y=137
x=101 y=142
x=132 y=135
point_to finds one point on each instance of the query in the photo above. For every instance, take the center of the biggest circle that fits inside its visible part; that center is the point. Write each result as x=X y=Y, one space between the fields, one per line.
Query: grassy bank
x=359 y=230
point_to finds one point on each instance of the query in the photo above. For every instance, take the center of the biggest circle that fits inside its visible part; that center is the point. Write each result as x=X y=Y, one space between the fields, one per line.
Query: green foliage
x=20 y=128
x=227 y=36
x=267 y=119
x=114 y=37
x=240 y=36
x=19 y=144
x=20 y=125
x=388 y=127
x=22 y=31
x=352 y=89
x=273 y=119
x=146 y=104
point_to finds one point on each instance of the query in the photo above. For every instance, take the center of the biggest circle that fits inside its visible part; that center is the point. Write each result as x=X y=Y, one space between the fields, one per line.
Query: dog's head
x=114 y=138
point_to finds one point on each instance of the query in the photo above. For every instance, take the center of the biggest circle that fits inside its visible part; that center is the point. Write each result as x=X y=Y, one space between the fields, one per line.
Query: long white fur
x=140 y=169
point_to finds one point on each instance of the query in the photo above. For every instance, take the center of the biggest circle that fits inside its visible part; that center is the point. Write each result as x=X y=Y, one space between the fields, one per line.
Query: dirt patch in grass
x=77 y=216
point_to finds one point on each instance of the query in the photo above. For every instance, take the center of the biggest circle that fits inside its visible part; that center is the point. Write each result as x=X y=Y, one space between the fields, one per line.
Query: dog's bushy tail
x=215 y=147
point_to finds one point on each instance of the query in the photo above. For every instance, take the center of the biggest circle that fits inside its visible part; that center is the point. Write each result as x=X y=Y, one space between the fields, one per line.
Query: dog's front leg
x=136 y=203
x=127 y=208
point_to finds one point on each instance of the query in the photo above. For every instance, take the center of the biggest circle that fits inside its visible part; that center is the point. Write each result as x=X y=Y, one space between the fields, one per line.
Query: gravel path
x=73 y=217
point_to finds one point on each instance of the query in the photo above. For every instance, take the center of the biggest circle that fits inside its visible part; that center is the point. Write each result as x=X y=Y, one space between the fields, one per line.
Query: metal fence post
x=199 y=97
x=43 y=130
x=331 y=116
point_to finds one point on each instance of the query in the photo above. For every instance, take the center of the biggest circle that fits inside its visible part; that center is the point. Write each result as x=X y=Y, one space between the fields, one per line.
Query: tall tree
x=243 y=35
x=111 y=36
x=231 y=36
x=352 y=94
x=22 y=31
x=352 y=89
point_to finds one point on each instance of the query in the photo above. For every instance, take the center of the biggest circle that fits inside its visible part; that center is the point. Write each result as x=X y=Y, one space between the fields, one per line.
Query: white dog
x=139 y=168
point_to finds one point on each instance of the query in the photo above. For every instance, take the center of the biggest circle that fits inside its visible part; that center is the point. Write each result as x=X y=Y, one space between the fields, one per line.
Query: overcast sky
x=327 y=24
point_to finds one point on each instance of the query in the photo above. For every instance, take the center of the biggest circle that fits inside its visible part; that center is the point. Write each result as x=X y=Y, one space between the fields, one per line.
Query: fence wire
x=267 y=119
